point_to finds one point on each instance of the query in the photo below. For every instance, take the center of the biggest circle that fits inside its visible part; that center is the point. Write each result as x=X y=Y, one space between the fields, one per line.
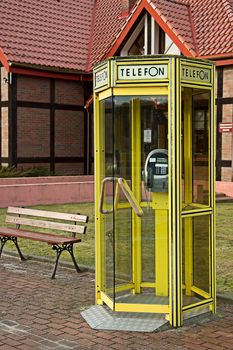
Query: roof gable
x=178 y=18
x=199 y=28
x=172 y=16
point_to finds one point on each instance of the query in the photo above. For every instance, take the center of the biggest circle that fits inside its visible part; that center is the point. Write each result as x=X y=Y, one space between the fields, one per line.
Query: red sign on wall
x=225 y=127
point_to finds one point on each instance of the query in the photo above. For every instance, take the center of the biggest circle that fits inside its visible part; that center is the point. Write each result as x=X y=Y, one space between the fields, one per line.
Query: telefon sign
x=142 y=72
x=101 y=77
x=195 y=74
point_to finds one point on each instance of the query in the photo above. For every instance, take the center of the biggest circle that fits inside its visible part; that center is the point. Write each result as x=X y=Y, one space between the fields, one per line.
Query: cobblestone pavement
x=39 y=313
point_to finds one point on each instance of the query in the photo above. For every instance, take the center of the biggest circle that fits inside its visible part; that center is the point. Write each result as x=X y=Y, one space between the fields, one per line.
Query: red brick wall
x=69 y=133
x=33 y=129
x=33 y=124
x=70 y=169
x=228 y=81
x=33 y=89
x=69 y=92
x=227 y=117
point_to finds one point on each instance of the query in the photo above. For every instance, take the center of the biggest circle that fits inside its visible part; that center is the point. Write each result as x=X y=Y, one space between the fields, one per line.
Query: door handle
x=102 y=195
x=130 y=197
x=122 y=184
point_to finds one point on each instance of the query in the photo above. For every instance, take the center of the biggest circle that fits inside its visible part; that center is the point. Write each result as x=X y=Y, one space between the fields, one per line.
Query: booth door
x=135 y=137
x=197 y=198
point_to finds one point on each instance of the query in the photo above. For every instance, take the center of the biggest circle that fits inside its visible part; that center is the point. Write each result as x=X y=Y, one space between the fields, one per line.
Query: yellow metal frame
x=200 y=210
x=100 y=221
x=136 y=188
x=172 y=285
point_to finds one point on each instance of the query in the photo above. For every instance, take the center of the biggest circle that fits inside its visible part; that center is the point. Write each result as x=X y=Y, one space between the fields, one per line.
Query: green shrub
x=6 y=172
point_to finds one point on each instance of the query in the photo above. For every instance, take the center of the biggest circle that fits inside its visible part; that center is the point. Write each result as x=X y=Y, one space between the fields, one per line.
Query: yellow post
x=160 y=204
x=136 y=189
x=100 y=221
x=188 y=238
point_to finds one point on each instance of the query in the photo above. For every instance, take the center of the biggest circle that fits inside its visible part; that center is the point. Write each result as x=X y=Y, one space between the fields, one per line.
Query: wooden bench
x=34 y=218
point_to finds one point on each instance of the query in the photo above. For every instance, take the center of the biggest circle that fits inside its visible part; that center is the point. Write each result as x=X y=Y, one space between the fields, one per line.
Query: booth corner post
x=155 y=156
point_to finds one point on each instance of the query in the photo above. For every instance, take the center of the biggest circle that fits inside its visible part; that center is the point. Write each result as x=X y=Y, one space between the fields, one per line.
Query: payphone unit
x=156 y=171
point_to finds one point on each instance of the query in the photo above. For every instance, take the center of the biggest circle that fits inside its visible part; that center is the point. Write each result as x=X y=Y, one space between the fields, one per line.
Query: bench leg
x=14 y=240
x=70 y=250
x=59 y=250
x=3 y=241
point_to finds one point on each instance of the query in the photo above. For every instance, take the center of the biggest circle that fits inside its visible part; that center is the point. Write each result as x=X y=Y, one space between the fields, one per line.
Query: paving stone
x=9 y=323
x=38 y=314
x=67 y=343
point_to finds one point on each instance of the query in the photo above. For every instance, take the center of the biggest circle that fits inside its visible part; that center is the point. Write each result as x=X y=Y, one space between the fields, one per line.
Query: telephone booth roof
x=154 y=69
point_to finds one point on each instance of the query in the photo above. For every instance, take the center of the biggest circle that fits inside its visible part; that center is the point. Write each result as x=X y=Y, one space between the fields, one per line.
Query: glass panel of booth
x=115 y=146
x=196 y=260
x=122 y=158
x=107 y=221
x=196 y=126
x=134 y=147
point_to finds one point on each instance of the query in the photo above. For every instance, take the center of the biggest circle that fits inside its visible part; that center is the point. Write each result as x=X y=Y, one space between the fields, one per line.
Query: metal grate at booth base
x=101 y=317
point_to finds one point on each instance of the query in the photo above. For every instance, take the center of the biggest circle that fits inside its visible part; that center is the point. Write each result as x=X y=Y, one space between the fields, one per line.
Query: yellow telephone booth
x=154 y=186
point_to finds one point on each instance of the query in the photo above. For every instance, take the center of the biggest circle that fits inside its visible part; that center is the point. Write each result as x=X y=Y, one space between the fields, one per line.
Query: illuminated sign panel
x=142 y=72
x=196 y=74
x=101 y=77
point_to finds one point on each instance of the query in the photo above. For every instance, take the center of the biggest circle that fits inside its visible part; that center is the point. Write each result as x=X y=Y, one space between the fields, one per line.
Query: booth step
x=101 y=317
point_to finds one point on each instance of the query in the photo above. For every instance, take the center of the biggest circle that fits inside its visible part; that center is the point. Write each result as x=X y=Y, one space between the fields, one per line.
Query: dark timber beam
x=12 y=119
x=52 y=127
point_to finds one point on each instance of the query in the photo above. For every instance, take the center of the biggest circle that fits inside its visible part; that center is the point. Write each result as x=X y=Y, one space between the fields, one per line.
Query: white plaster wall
x=170 y=47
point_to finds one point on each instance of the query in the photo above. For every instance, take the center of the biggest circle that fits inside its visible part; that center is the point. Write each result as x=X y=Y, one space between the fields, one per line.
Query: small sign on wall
x=147 y=135
x=225 y=127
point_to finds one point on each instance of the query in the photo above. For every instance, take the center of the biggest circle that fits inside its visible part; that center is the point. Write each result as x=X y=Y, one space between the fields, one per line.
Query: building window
x=138 y=46
x=149 y=38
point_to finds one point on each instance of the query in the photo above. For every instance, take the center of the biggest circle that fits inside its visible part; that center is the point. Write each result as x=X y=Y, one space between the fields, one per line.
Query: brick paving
x=39 y=313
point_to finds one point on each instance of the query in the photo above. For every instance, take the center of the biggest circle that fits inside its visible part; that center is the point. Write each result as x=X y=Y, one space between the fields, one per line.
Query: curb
x=224 y=200
x=224 y=299
x=42 y=259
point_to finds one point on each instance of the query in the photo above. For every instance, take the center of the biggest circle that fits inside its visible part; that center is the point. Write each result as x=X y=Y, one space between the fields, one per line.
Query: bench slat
x=45 y=224
x=47 y=214
x=37 y=236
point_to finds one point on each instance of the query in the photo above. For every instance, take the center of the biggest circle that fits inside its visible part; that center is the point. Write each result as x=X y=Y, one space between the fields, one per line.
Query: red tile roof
x=177 y=16
x=107 y=24
x=213 y=23
x=76 y=34
x=52 y=33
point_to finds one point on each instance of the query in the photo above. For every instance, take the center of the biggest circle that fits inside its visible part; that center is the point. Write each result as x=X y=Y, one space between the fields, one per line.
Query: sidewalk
x=39 y=313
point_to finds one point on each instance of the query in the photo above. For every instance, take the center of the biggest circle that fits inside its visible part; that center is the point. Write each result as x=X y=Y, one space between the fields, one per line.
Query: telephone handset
x=156 y=171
